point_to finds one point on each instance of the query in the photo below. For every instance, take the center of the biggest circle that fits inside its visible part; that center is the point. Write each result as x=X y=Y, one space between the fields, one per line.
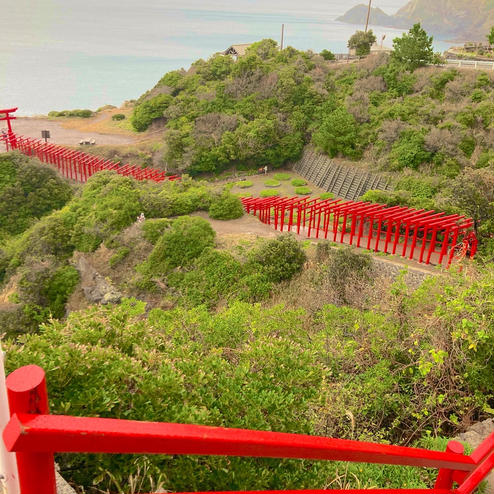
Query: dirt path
x=32 y=127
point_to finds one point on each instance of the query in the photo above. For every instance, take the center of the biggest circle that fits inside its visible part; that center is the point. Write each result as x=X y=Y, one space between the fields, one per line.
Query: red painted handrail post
x=26 y=390
x=445 y=476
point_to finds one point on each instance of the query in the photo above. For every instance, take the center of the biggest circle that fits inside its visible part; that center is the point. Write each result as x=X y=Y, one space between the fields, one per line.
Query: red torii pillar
x=10 y=134
x=435 y=225
x=422 y=224
x=358 y=216
x=409 y=220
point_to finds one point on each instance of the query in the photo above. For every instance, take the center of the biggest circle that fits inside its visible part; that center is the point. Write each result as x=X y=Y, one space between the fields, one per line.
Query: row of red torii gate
x=73 y=164
x=428 y=237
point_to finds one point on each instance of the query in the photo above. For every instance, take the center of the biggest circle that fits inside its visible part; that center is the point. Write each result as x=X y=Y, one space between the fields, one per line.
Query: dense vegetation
x=242 y=335
x=368 y=373
x=263 y=108
x=28 y=191
x=430 y=129
x=270 y=334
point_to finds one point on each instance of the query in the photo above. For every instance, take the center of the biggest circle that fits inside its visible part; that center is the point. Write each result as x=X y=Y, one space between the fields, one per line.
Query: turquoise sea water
x=63 y=54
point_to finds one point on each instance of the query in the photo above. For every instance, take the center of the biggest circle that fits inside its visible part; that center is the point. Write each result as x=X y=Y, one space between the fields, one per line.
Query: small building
x=236 y=50
x=375 y=48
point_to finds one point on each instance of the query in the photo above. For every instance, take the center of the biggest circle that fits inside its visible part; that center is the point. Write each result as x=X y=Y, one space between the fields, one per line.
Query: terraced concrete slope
x=343 y=181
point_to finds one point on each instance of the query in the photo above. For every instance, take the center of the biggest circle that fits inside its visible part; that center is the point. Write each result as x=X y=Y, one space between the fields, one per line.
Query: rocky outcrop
x=474 y=436
x=96 y=288
x=445 y=19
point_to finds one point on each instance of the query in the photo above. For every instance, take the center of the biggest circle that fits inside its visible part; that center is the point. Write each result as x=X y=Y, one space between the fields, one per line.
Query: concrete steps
x=343 y=181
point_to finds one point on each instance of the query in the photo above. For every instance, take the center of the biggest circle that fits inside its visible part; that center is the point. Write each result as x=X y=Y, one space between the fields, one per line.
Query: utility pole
x=282 y=35
x=368 y=14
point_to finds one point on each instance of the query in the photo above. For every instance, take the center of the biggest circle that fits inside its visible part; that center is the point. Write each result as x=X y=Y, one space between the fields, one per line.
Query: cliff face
x=462 y=19
x=465 y=20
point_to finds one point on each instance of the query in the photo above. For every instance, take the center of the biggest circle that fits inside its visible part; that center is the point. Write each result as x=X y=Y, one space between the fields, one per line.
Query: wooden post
x=445 y=475
x=368 y=15
x=8 y=466
x=26 y=390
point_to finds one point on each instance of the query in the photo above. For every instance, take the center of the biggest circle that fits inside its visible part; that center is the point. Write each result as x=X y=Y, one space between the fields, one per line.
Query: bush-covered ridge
x=263 y=108
x=28 y=191
x=431 y=129
x=276 y=368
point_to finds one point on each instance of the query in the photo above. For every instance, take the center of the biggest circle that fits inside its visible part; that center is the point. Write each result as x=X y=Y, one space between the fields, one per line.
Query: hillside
x=158 y=301
x=430 y=130
x=445 y=19
x=270 y=334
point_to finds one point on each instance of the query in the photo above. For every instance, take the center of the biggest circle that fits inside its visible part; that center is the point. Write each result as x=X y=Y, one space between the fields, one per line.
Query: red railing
x=77 y=165
x=426 y=236
x=35 y=435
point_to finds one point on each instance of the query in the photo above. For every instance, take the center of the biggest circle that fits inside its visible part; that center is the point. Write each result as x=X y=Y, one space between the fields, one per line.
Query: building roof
x=237 y=50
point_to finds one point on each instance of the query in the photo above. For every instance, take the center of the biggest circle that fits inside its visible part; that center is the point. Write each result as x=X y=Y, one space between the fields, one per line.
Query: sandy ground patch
x=32 y=127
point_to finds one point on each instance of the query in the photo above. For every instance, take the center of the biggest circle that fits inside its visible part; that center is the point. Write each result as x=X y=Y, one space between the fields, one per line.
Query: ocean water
x=64 y=54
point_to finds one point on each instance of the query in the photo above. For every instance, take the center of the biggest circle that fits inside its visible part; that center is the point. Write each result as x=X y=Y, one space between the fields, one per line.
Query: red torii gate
x=73 y=164
x=35 y=435
x=418 y=232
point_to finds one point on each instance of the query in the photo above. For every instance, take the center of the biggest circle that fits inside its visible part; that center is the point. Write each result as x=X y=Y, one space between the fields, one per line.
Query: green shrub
x=282 y=176
x=338 y=134
x=466 y=117
x=109 y=203
x=28 y=191
x=467 y=145
x=173 y=198
x=226 y=207
x=71 y=113
x=179 y=245
x=485 y=159
x=119 y=256
x=303 y=191
x=271 y=182
x=118 y=116
x=281 y=257
x=244 y=184
x=149 y=110
x=298 y=182
x=327 y=55
x=58 y=289
x=152 y=229
x=440 y=80
x=212 y=278
x=477 y=95
x=409 y=151
x=326 y=195
x=418 y=187
x=269 y=193
x=483 y=80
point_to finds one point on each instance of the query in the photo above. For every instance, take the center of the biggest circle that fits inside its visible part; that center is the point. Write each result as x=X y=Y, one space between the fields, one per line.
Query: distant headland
x=445 y=19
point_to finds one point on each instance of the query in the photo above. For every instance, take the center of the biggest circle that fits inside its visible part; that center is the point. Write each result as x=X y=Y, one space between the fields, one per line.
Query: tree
x=361 y=42
x=472 y=194
x=490 y=36
x=414 y=49
x=327 y=55
x=337 y=134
